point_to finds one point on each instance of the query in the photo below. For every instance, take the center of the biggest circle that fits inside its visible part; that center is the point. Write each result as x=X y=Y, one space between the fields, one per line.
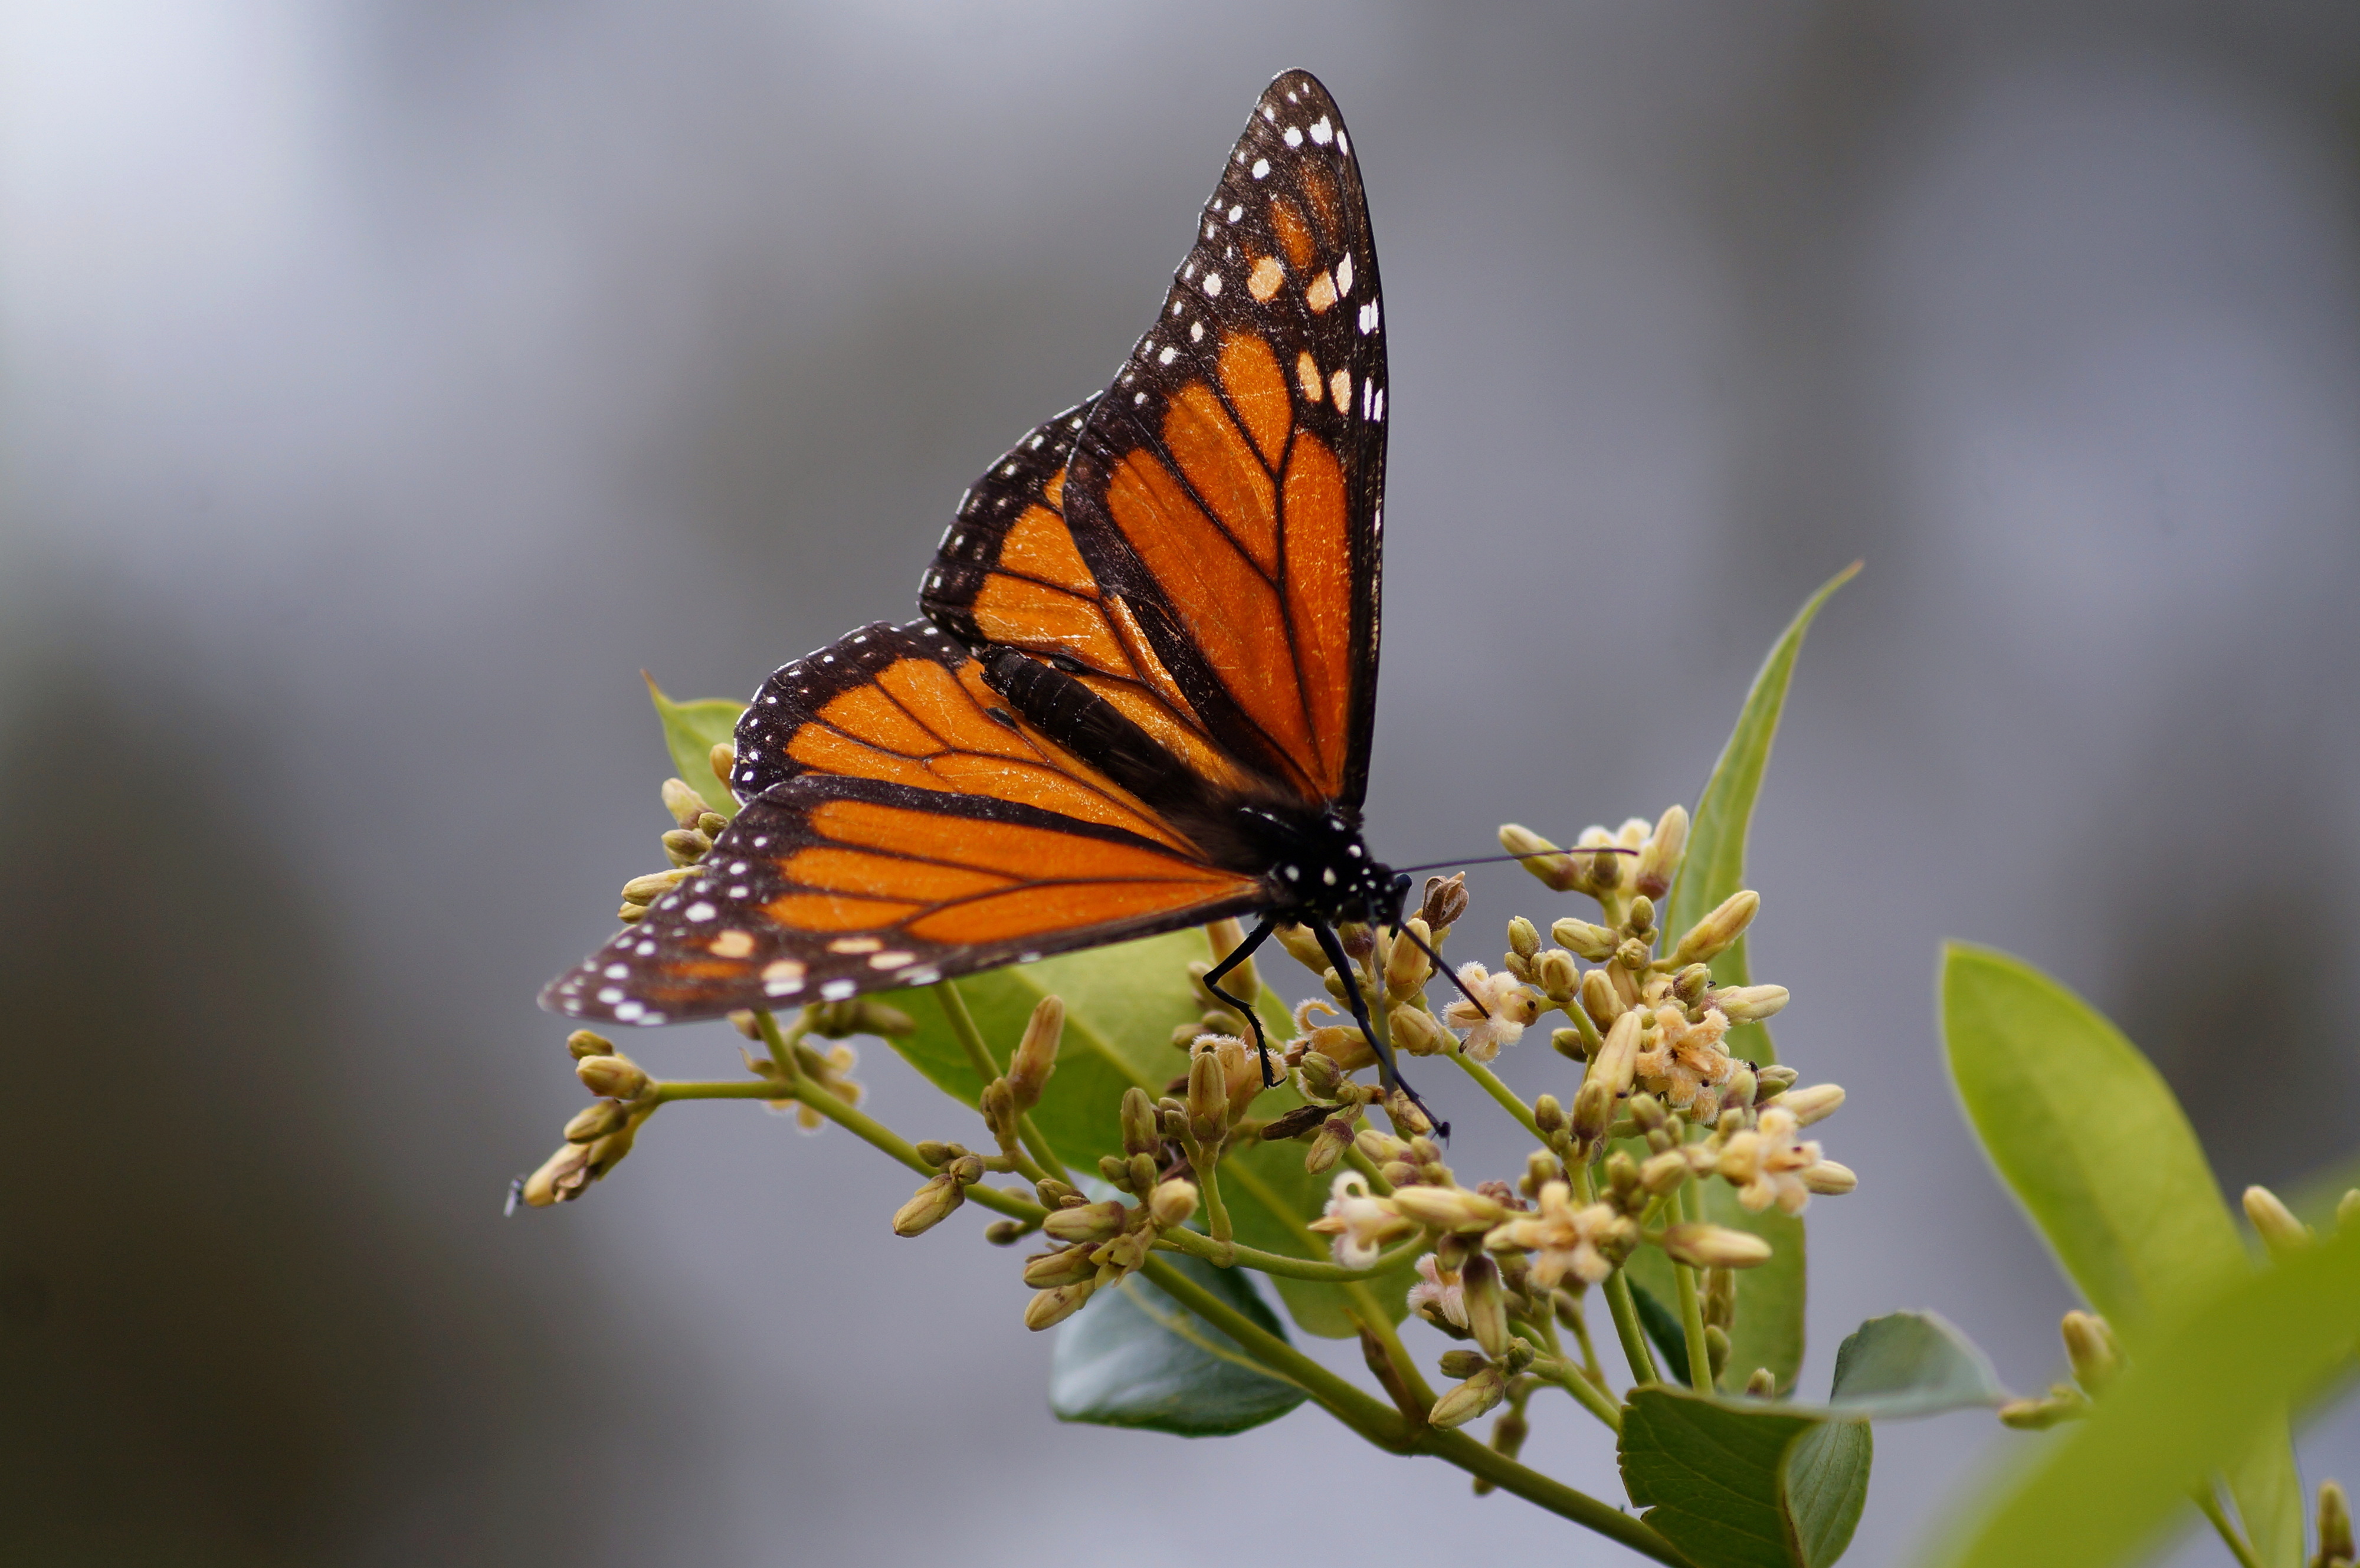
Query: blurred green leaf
x=1826 y=1486
x=1135 y=1358
x=2208 y=1388
x=690 y=732
x=1122 y=1004
x=2088 y=1136
x=1659 y=1318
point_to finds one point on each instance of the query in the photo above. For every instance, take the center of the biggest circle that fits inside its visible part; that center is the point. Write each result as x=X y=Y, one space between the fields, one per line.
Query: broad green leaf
x=2087 y=1136
x=1911 y=1364
x=1661 y=1320
x=2206 y=1390
x=690 y=732
x=1122 y=1005
x=1134 y=1356
x=1740 y=1482
x=1714 y=866
x=1718 y=1479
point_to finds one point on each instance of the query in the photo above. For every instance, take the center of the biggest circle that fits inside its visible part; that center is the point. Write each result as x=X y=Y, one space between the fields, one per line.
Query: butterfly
x=1141 y=693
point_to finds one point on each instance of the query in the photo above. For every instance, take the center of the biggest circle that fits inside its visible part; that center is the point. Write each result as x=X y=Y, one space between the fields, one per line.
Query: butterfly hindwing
x=1227 y=488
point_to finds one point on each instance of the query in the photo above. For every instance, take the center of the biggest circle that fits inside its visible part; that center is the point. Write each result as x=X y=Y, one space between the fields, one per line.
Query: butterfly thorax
x=1318 y=865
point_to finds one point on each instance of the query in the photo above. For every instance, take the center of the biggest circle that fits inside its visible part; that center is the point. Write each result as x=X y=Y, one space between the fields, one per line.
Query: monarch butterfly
x=1142 y=692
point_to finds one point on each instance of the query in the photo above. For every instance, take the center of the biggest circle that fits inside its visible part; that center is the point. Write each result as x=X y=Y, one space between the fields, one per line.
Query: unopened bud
x=930 y=1205
x=1380 y=1147
x=1142 y=1173
x=1618 y=1058
x=1468 y=1399
x=1548 y=1116
x=1712 y=935
x=1091 y=1222
x=1621 y=1174
x=582 y=1044
x=1594 y=943
x=1829 y=1179
x=1407 y=968
x=1659 y=857
x=1647 y=1113
x=1593 y=1112
x=1141 y=1135
x=1036 y=1053
x=1664 y=1172
x=1599 y=999
x=711 y=824
x=1005 y=1233
x=1775 y=1081
x=1419 y=1033
x=612 y=1077
x=1446 y=1209
x=1406 y=1115
x=1445 y=901
x=1523 y=938
x=1720 y=1298
x=1209 y=1099
x=2039 y=1415
x=1741 y=1088
x=1714 y=1246
x=1749 y=1004
x=1066 y=1266
x=1716 y=1348
x=1359 y=942
x=1816 y=1103
x=722 y=760
x=966 y=1169
x=1302 y=947
x=1050 y=1308
x=998 y=1103
x=1690 y=983
x=631 y=914
x=562 y=1177
x=1172 y=1202
x=649 y=888
x=684 y=802
x=1487 y=1304
x=1334 y=1136
x=1557 y=974
x=1642 y=915
x=1603 y=873
x=1462 y=1363
x=1558 y=873
x=2335 y=1549
x=686 y=846
x=595 y=1122
x=1635 y=954
x=1321 y=1077
x=1763 y=1384
x=2091 y=1346
x=2278 y=1227
x=1052 y=1192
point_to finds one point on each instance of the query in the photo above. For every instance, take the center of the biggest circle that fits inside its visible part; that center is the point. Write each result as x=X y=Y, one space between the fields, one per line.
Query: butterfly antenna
x=1448 y=972
x=1529 y=854
x=515 y=1196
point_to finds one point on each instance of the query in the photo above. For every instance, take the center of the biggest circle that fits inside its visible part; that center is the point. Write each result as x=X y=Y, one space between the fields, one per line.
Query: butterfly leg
x=1243 y=951
x=1341 y=961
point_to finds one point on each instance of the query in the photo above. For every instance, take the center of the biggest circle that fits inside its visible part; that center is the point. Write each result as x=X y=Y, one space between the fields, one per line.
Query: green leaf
x=1134 y=1356
x=2087 y=1136
x=690 y=732
x=1911 y=1364
x=1714 y=866
x=1744 y=1486
x=2208 y=1389
x=1664 y=1330
x=1122 y=1004
x=1740 y=1482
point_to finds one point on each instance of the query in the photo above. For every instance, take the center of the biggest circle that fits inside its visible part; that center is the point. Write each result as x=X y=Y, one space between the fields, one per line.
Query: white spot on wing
x=1261 y=169
x=1212 y=285
x=1322 y=132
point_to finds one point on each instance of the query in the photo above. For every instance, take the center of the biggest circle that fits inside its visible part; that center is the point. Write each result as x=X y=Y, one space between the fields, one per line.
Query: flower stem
x=1591 y=1398
x=1389 y=1430
x=1189 y=1241
x=2210 y=1505
x=979 y=1056
x=1619 y=1302
x=1508 y=1098
x=1692 y=1313
x=1368 y=1167
x=1207 y=1170
x=867 y=1129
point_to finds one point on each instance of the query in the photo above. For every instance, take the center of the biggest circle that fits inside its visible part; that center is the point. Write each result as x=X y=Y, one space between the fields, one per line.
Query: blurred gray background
x=386 y=384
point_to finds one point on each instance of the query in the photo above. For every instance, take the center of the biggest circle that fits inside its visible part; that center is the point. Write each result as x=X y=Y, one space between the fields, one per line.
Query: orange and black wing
x=1228 y=489
x=901 y=824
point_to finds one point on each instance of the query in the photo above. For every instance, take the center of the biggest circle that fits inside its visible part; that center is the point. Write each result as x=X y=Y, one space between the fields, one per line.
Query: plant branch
x=2238 y=1546
x=979 y=1056
x=1508 y=1098
x=1692 y=1314
x=1178 y=1239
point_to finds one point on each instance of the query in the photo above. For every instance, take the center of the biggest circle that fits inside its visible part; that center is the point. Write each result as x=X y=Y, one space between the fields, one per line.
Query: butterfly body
x=1143 y=692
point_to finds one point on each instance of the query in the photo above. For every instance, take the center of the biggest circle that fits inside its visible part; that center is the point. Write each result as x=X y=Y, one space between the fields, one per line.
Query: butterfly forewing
x=1228 y=489
x=900 y=824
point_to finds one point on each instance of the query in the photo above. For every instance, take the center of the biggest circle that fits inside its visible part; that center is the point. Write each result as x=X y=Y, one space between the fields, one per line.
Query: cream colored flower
x=1361 y=1224
x=1241 y=1069
x=1511 y=1003
x=1563 y=1239
x=1438 y=1297
x=1687 y=1065
x=1766 y=1163
x=1340 y=1043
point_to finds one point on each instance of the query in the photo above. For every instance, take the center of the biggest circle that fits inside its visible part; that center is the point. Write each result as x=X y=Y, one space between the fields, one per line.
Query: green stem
x=1566 y=1375
x=1627 y=1328
x=1208 y=1185
x=872 y=1132
x=1508 y=1098
x=2235 y=1538
x=1368 y=1168
x=1242 y=1257
x=1588 y=1350
x=979 y=1056
x=1378 y=1323
x=1385 y=1427
x=1692 y=1306
x=665 y=1091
